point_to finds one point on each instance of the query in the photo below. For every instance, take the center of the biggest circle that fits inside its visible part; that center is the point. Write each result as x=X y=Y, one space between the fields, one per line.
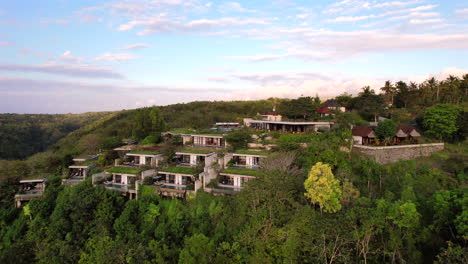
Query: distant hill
x=22 y=135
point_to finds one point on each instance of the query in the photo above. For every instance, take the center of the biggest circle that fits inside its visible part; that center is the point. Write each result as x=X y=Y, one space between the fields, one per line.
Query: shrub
x=153 y=139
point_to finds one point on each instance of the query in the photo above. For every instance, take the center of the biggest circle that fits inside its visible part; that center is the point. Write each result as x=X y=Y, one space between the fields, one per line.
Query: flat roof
x=124 y=170
x=207 y=135
x=144 y=153
x=227 y=124
x=242 y=172
x=195 y=151
x=179 y=170
x=250 y=152
x=290 y=122
x=32 y=181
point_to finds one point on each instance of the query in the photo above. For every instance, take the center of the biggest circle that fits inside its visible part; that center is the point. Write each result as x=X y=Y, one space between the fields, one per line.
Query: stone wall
x=390 y=154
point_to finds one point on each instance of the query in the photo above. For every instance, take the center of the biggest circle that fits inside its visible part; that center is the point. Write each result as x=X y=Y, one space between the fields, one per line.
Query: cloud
x=8 y=84
x=55 y=21
x=278 y=78
x=309 y=44
x=233 y=7
x=116 y=57
x=415 y=11
x=81 y=71
x=462 y=12
x=135 y=47
x=295 y=84
x=302 y=55
x=351 y=18
x=395 y=4
x=69 y=57
x=160 y=25
x=425 y=21
x=4 y=43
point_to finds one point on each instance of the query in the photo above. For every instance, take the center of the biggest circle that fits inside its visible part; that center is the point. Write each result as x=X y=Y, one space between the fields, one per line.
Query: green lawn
x=180 y=170
x=124 y=170
x=241 y=171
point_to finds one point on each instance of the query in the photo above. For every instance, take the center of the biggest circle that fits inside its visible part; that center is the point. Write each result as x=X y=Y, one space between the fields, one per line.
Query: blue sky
x=66 y=56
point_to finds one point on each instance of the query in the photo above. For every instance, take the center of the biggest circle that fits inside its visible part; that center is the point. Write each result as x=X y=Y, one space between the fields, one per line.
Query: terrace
x=234 y=178
x=29 y=189
x=192 y=157
x=247 y=158
x=142 y=158
x=175 y=179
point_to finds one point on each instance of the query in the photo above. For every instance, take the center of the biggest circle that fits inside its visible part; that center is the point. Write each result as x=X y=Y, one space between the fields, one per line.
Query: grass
x=124 y=170
x=241 y=171
x=196 y=151
x=84 y=163
x=143 y=152
x=251 y=152
x=180 y=170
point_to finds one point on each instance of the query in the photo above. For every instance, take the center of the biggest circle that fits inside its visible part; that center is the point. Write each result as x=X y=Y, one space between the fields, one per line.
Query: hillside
x=22 y=135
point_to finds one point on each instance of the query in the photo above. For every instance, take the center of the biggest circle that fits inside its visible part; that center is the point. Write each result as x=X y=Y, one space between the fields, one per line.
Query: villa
x=143 y=158
x=192 y=157
x=245 y=158
x=29 y=189
x=363 y=135
x=231 y=180
x=79 y=170
x=287 y=126
x=176 y=181
x=205 y=140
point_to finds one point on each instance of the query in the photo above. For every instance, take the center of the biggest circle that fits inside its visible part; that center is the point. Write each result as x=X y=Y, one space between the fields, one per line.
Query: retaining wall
x=390 y=154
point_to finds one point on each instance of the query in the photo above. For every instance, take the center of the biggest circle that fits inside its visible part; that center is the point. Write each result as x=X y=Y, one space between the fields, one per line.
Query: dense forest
x=24 y=135
x=407 y=212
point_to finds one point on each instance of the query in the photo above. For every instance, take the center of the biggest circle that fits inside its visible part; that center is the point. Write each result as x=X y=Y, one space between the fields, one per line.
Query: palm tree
x=389 y=90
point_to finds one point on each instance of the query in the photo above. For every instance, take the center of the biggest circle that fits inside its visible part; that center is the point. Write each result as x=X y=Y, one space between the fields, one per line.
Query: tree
x=238 y=139
x=368 y=104
x=389 y=90
x=157 y=121
x=302 y=107
x=198 y=249
x=440 y=121
x=91 y=143
x=386 y=129
x=323 y=189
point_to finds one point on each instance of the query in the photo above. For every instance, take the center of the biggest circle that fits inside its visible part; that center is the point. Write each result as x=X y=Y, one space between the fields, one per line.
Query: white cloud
x=160 y=24
x=83 y=70
x=351 y=18
x=116 y=57
x=396 y=4
x=425 y=21
x=69 y=57
x=55 y=21
x=462 y=12
x=415 y=11
x=135 y=46
x=295 y=84
x=233 y=7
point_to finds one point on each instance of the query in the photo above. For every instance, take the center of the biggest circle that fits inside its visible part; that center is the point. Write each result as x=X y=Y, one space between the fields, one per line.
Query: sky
x=68 y=56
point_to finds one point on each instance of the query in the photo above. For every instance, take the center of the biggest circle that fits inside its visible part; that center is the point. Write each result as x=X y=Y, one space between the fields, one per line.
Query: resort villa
x=29 y=189
x=365 y=135
x=245 y=158
x=78 y=171
x=192 y=157
x=143 y=158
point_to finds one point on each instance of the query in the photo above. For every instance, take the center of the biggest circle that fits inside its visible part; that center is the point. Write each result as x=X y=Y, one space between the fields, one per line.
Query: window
x=171 y=178
x=117 y=178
